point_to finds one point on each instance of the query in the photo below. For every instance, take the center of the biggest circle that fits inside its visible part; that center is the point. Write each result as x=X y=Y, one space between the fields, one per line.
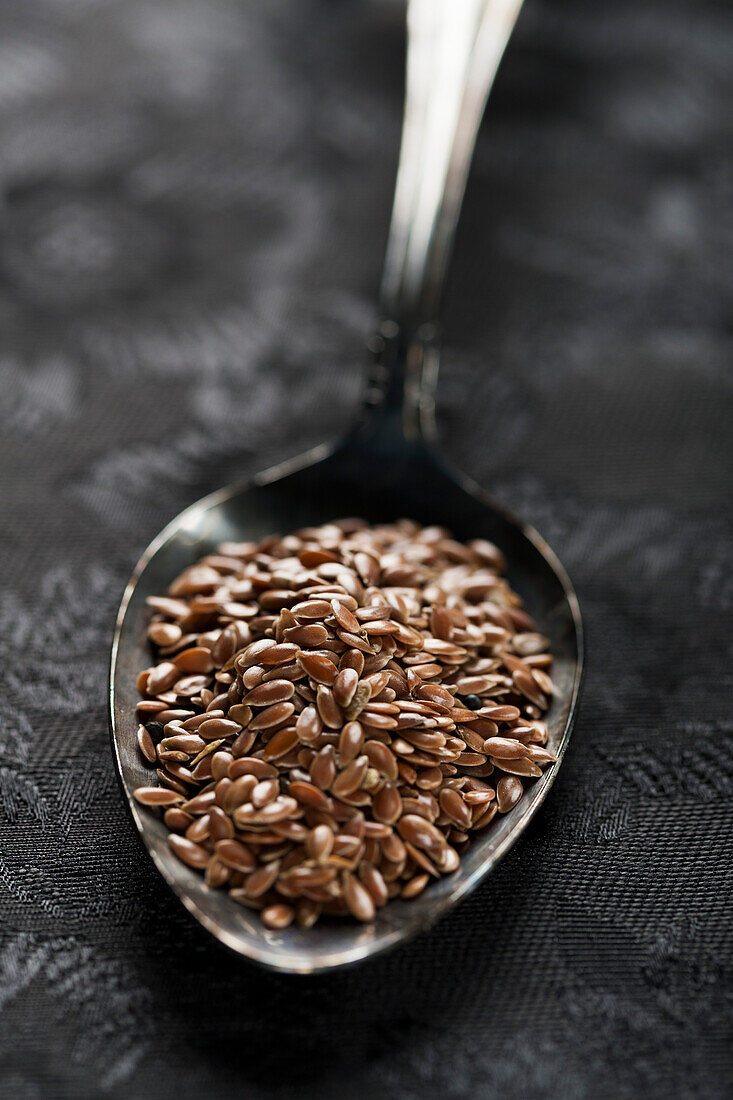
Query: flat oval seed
x=382 y=758
x=261 y=880
x=309 y=725
x=387 y=804
x=509 y=790
x=312 y=609
x=215 y=728
x=505 y=748
x=251 y=765
x=195 y=659
x=193 y=855
x=220 y=825
x=239 y=713
x=272 y=716
x=161 y=678
x=235 y=855
x=357 y=898
x=344 y=686
x=374 y=883
x=329 y=710
x=420 y=832
x=353 y=658
x=310 y=795
x=264 y=792
x=145 y=744
x=277 y=916
x=323 y=768
x=415 y=886
x=319 y=843
x=351 y=778
x=350 y=742
x=282 y=742
x=344 y=617
x=274 y=691
x=164 y=634
x=318 y=667
x=278 y=654
x=156 y=796
x=311 y=635
x=177 y=820
x=453 y=805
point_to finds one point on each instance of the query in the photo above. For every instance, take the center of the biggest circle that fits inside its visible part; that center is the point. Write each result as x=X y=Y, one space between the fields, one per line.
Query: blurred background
x=194 y=199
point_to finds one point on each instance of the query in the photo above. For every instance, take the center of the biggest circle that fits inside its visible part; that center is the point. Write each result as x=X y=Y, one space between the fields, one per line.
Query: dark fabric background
x=195 y=196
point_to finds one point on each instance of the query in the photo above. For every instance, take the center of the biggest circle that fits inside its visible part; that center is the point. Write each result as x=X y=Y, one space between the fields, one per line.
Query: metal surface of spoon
x=388 y=466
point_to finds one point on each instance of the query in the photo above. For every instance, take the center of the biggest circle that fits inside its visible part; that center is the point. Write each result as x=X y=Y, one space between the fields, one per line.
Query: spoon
x=387 y=466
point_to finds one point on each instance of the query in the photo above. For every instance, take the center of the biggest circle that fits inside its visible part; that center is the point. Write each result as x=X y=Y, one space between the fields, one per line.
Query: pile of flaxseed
x=333 y=714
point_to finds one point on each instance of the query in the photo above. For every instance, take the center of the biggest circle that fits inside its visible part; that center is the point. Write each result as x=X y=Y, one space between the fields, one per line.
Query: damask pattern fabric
x=195 y=196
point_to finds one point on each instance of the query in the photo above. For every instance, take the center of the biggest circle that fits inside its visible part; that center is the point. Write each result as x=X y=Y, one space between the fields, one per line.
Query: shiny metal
x=454 y=50
x=388 y=466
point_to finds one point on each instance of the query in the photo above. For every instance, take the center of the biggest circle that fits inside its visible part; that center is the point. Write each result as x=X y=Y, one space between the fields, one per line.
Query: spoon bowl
x=388 y=467
x=312 y=490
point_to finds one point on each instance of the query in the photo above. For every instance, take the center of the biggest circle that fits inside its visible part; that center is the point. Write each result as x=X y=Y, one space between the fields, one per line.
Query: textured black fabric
x=195 y=196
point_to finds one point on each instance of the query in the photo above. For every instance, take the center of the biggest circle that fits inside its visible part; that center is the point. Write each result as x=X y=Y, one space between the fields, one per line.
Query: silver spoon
x=386 y=467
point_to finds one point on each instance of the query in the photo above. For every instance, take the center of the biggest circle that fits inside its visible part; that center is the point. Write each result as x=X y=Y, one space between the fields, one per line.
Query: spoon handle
x=453 y=52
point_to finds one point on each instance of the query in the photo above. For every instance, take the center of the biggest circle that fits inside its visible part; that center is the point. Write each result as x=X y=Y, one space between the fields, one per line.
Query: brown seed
x=195 y=659
x=319 y=843
x=217 y=873
x=278 y=654
x=193 y=855
x=220 y=825
x=382 y=758
x=350 y=742
x=177 y=820
x=215 y=728
x=274 y=691
x=344 y=686
x=251 y=765
x=312 y=609
x=329 y=710
x=311 y=635
x=508 y=792
x=264 y=792
x=309 y=725
x=278 y=916
x=387 y=804
x=239 y=792
x=282 y=742
x=351 y=778
x=164 y=634
x=453 y=805
x=318 y=667
x=353 y=658
x=517 y=767
x=358 y=898
x=505 y=748
x=420 y=832
x=346 y=620
x=156 y=796
x=235 y=855
x=415 y=886
x=374 y=883
x=240 y=713
x=323 y=768
x=161 y=678
x=145 y=744
x=272 y=716
x=261 y=880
